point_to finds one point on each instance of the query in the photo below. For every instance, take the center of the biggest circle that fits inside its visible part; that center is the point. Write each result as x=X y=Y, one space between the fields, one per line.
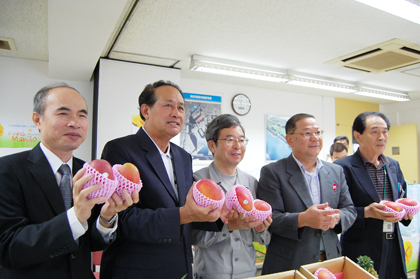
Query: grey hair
x=221 y=122
x=41 y=96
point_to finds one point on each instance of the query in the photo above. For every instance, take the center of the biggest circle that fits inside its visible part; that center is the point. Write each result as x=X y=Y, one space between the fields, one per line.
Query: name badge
x=388 y=227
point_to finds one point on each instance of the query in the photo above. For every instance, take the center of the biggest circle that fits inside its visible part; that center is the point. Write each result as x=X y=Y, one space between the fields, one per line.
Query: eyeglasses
x=231 y=141
x=308 y=134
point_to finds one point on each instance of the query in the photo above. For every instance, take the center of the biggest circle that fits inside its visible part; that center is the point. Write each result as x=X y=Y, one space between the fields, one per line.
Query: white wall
x=20 y=79
x=120 y=84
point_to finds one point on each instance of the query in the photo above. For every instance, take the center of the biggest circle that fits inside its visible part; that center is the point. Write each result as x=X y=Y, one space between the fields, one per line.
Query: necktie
x=65 y=185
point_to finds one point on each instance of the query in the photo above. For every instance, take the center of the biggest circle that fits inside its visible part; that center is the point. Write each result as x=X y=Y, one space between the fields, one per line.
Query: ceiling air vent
x=381 y=58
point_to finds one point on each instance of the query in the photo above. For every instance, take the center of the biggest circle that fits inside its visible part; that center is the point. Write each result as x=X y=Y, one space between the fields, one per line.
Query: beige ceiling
x=297 y=35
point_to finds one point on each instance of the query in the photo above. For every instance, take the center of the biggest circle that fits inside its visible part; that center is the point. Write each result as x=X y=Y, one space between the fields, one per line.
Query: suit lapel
x=41 y=171
x=179 y=175
x=362 y=175
x=297 y=182
x=155 y=160
x=327 y=186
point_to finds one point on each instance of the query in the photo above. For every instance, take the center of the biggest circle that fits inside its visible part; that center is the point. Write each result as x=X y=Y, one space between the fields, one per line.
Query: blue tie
x=65 y=185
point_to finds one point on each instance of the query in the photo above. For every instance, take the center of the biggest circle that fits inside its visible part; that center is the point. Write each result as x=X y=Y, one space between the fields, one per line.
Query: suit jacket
x=35 y=237
x=152 y=243
x=365 y=237
x=283 y=185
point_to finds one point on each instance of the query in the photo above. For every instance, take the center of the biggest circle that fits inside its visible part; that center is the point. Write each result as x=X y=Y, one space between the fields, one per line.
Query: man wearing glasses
x=230 y=252
x=299 y=189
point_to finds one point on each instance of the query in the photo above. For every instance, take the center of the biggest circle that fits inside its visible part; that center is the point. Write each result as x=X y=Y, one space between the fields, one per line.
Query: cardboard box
x=292 y=274
x=350 y=269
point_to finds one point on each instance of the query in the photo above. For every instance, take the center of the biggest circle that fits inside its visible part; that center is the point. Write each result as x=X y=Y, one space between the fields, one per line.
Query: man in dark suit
x=156 y=233
x=373 y=177
x=299 y=189
x=44 y=234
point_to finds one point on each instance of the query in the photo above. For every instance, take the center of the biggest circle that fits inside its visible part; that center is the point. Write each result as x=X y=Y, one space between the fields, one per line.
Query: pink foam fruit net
x=205 y=201
x=413 y=210
x=124 y=183
x=259 y=214
x=108 y=185
x=320 y=269
x=232 y=200
x=397 y=214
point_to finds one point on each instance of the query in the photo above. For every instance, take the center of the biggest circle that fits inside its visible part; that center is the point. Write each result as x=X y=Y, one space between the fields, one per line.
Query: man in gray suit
x=299 y=189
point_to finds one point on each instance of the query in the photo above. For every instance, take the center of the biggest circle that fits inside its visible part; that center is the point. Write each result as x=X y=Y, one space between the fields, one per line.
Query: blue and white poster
x=276 y=145
x=199 y=111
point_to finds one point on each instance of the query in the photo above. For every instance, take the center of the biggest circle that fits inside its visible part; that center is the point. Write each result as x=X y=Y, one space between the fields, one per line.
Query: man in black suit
x=44 y=234
x=156 y=232
x=373 y=177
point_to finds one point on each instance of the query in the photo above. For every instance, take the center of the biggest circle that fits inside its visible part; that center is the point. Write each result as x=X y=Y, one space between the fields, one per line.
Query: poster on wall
x=276 y=144
x=199 y=111
x=18 y=134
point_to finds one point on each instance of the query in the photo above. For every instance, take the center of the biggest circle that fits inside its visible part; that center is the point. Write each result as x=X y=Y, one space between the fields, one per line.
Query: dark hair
x=291 y=123
x=41 y=96
x=337 y=147
x=221 y=122
x=341 y=138
x=148 y=95
x=359 y=123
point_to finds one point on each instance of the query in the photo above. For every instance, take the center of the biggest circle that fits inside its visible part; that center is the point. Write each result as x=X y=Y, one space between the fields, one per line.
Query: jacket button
x=73 y=256
x=165 y=240
x=317 y=234
x=51 y=255
x=170 y=240
x=224 y=235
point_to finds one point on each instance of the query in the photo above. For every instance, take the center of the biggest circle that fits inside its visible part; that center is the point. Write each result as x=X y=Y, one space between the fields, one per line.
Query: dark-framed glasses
x=232 y=140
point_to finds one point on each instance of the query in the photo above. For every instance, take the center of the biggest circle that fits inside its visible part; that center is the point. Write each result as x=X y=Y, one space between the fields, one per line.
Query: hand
x=226 y=214
x=264 y=225
x=335 y=220
x=317 y=217
x=191 y=212
x=238 y=221
x=115 y=204
x=376 y=210
x=83 y=206
x=408 y=216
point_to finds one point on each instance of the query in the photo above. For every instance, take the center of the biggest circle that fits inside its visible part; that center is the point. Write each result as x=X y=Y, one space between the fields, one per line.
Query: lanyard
x=384 y=181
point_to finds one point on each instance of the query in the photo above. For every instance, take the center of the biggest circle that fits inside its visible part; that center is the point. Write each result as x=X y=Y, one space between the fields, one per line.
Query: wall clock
x=241 y=104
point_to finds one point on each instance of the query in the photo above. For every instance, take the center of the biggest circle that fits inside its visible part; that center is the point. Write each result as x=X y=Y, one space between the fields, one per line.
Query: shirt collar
x=382 y=159
x=168 y=151
x=53 y=159
x=319 y=165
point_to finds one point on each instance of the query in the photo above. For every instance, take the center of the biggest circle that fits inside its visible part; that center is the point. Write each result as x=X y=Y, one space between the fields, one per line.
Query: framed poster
x=199 y=111
x=276 y=145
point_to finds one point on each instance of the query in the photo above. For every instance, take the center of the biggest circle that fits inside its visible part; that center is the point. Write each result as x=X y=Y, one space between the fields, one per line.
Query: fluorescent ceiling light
x=407 y=9
x=237 y=69
x=393 y=96
x=244 y=70
x=321 y=84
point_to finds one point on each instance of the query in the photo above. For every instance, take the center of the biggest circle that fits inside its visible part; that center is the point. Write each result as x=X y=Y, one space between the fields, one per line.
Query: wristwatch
x=110 y=222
